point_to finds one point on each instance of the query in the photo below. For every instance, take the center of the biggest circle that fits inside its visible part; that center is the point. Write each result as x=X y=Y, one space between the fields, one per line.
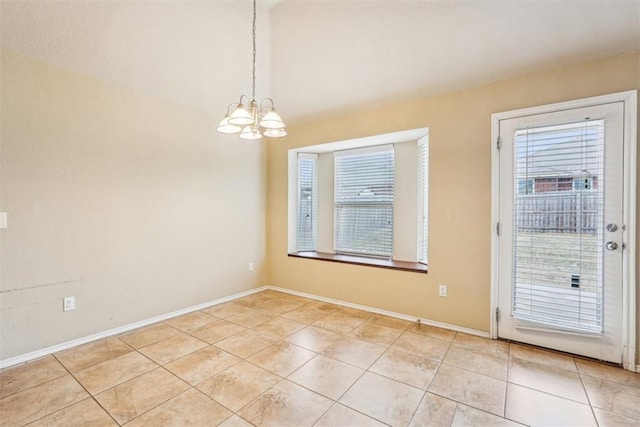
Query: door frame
x=630 y=141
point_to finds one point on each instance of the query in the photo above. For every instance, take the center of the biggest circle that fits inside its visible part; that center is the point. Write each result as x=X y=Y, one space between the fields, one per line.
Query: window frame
x=301 y=243
x=406 y=253
x=341 y=243
x=423 y=200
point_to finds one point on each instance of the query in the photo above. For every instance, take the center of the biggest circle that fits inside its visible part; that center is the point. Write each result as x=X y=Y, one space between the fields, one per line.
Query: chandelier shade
x=272 y=120
x=258 y=119
x=240 y=117
x=275 y=133
x=226 y=127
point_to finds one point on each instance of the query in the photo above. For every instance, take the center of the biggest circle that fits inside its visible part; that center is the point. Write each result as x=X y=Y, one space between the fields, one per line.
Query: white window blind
x=307 y=228
x=558 y=214
x=363 y=194
x=423 y=200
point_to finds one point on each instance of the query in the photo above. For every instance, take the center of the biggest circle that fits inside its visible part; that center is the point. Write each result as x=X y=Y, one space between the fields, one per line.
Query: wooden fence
x=557 y=212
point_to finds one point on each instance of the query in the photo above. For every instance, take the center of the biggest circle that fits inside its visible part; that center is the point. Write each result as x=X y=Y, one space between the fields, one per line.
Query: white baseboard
x=115 y=331
x=443 y=325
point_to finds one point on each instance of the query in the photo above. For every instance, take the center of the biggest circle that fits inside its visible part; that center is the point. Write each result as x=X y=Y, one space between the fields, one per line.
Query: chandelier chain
x=254 y=50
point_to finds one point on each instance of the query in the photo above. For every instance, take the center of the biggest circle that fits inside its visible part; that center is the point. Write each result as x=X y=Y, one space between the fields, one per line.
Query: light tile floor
x=277 y=359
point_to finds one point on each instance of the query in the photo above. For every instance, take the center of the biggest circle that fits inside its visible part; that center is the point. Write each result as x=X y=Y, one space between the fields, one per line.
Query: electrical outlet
x=442 y=290
x=69 y=304
x=250 y=266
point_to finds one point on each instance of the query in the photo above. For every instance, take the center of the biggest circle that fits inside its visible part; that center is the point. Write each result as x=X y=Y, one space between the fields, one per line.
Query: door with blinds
x=560 y=230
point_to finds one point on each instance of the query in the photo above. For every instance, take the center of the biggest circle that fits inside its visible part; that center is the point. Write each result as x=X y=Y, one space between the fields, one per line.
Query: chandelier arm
x=240 y=101
x=263 y=108
x=232 y=105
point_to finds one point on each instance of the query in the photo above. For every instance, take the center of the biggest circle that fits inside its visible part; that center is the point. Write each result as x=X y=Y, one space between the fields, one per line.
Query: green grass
x=550 y=259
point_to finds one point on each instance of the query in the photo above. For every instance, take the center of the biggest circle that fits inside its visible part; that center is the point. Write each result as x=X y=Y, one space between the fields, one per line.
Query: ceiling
x=315 y=56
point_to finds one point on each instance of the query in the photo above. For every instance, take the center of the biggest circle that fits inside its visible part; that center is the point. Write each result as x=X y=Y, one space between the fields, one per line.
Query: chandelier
x=256 y=119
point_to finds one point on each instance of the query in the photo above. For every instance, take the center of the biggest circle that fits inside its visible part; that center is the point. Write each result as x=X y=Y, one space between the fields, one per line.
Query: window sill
x=415 y=267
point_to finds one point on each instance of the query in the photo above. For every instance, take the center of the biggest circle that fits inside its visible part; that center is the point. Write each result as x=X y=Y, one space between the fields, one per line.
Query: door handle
x=612 y=246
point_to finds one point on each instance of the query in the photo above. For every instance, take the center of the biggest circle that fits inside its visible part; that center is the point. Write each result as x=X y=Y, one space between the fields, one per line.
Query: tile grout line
x=550 y=394
x=35 y=385
x=422 y=400
x=316 y=354
x=91 y=396
x=215 y=401
x=373 y=363
x=584 y=389
x=124 y=382
x=364 y=371
x=426 y=391
x=506 y=384
x=577 y=372
x=236 y=412
x=163 y=402
x=234 y=364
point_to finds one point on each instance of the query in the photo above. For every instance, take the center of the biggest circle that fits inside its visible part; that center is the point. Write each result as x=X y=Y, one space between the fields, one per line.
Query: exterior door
x=560 y=244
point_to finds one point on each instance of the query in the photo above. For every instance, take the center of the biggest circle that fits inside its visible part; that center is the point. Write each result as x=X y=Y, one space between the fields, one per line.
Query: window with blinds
x=558 y=214
x=423 y=201
x=307 y=228
x=363 y=195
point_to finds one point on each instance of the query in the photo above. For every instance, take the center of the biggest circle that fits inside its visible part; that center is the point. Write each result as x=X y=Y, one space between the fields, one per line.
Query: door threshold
x=562 y=353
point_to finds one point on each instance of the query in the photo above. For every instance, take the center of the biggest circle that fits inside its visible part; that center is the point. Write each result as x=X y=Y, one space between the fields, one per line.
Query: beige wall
x=133 y=205
x=138 y=208
x=460 y=192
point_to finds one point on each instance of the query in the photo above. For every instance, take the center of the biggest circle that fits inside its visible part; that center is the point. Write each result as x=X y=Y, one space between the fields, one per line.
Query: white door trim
x=629 y=98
